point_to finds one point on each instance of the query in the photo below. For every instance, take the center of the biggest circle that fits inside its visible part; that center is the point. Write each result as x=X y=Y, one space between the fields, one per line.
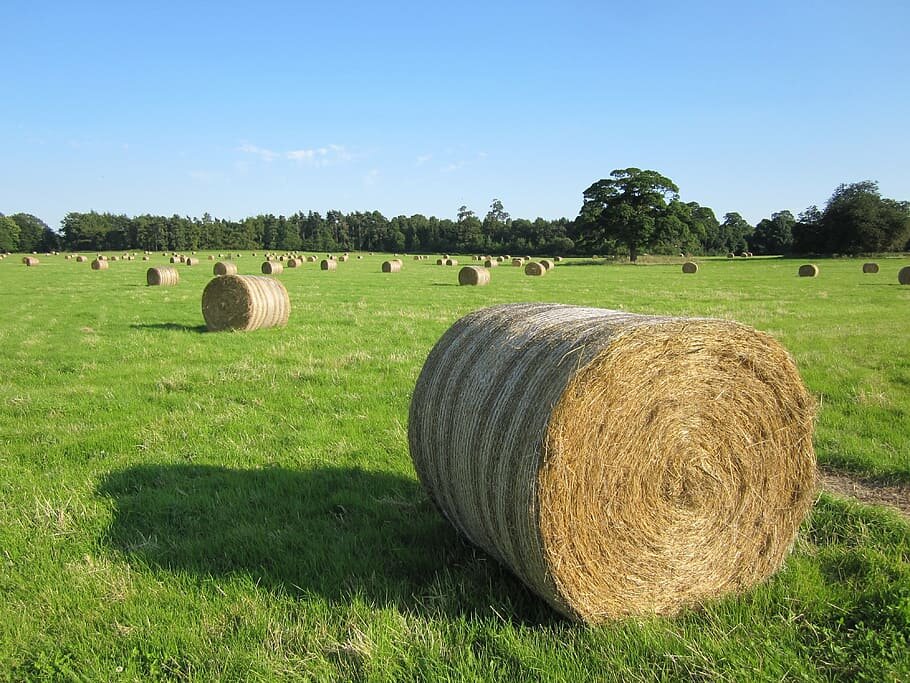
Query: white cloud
x=422 y=159
x=261 y=152
x=371 y=176
x=316 y=156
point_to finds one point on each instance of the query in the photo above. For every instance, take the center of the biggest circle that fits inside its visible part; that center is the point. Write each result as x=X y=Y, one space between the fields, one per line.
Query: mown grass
x=182 y=505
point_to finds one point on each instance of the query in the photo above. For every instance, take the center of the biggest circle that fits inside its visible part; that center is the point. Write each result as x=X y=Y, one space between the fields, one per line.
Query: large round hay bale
x=535 y=269
x=518 y=262
x=393 y=266
x=272 y=268
x=245 y=302
x=175 y=259
x=808 y=270
x=557 y=259
x=30 y=261
x=473 y=275
x=343 y=258
x=211 y=257
x=440 y=262
x=731 y=255
x=586 y=450
x=870 y=267
x=328 y=264
x=312 y=259
x=548 y=264
x=294 y=262
x=903 y=276
x=81 y=259
x=100 y=264
x=146 y=258
x=163 y=276
x=191 y=261
x=690 y=267
x=451 y=262
x=224 y=268
x=491 y=263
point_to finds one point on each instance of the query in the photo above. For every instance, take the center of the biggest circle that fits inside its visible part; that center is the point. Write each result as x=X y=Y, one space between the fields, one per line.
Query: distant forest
x=631 y=213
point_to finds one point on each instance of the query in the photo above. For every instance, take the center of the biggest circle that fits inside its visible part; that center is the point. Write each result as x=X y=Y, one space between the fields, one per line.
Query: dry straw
x=451 y=262
x=312 y=259
x=164 y=276
x=690 y=267
x=870 y=267
x=100 y=264
x=294 y=262
x=272 y=268
x=535 y=269
x=557 y=259
x=328 y=264
x=245 y=302
x=548 y=264
x=491 y=263
x=903 y=275
x=81 y=259
x=211 y=257
x=518 y=262
x=808 y=270
x=190 y=261
x=30 y=261
x=393 y=266
x=473 y=275
x=587 y=451
x=225 y=268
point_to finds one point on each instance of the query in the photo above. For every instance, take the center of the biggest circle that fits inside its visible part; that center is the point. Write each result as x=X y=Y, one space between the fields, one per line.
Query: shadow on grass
x=336 y=532
x=169 y=326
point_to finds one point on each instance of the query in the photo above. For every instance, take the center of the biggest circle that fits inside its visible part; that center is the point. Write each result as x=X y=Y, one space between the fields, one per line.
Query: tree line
x=633 y=211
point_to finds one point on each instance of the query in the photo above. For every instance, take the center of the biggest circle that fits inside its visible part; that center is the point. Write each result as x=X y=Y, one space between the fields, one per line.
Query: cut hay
x=473 y=275
x=808 y=270
x=393 y=266
x=328 y=264
x=30 y=261
x=191 y=261
x=343 y=258
x=146 y=258
x=211 y=257
x=311 y=259
x=518 y=262
x=588 y=452
x=548 y=264
x=451 y=262
x=440 y=262
x=294 y=262
x=535 y=269
x=731 y=255
x=81 y=259
x=245 y=302
x=557 y=259
x=174 y=259
x=100 y=264
x=690 y=267
x=491 y=263
x=903 y=276
x=164 y=276
x=224 y=268
x=272 y=268
x=870 y=267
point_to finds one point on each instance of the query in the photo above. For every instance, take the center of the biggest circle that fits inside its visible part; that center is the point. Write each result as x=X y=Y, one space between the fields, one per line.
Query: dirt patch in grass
x=872 y=491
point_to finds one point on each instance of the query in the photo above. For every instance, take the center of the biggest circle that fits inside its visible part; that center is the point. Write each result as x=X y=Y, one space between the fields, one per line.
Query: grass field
x=176 y=504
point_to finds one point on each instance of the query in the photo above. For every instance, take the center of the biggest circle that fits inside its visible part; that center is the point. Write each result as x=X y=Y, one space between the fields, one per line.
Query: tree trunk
x=633 y=252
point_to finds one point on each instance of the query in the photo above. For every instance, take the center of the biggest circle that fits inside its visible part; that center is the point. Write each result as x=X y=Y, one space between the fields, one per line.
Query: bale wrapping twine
x=245 y=302
x=618 y=464
x=225 y=268
x=473 y=275
x=870 y=267
x=808 y=270
x=164 y=276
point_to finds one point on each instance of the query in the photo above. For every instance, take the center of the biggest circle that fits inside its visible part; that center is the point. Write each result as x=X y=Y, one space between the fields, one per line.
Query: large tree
x=773 y=235
x=857 y=218
x=9 y=234
x=626 y=208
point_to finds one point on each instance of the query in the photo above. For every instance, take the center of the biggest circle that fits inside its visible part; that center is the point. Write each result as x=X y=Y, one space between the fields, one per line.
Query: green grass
x=182 y=505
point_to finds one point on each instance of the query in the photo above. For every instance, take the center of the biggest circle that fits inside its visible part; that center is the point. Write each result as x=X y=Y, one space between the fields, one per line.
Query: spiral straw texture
x=473 y=275
x=163 y=276
x=100 y=264
x=903 y=275
x=690 y=267
x=870 y=268
x=272 y=268
x=619 y=464
x=393 y=266
x=245 y=302
x=808 y=270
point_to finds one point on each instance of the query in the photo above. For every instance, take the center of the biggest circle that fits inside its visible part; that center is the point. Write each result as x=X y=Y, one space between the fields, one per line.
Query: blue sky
x=414 y=107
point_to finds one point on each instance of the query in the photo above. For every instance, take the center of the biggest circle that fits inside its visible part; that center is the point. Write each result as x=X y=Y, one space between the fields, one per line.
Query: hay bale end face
x=164 y=276
x=491 y=263
x=191 y=261
x=606 y=497
x=903 y=276
x=473 y=275
x=535 y=269
x=328 y=264
x=690 y=267
x=30 y=261
x=81 y=259
x=870 y=267
x=393 y=266
x=451 y=262
x=808 y=270
x=245 y=302
x=548 y=264
x=224 y=268
x=272 y=268
x=99 y=264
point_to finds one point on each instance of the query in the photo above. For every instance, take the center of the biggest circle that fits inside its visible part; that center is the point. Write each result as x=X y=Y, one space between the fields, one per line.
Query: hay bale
x=245 y=302
x=272 y=268
x=557 y=259
x=312 y=259
x=417 y=257
x=360 y=257
x=473 y=275
x=440 y=262
x=535 y=269
x=81 y=259
x=211 y=257
x=808 y=270
x=870 y=267
x=518 y=262
x=903 y=276
x=174 y=259
x=548 y=264
x=113 y=258
x=731 y=255
x=690 y=267
x=328 y=264
x=294 y=262
x=100 y=264
x=163 y=276
x=146 y=258
x=393 y=266
x=586 y=450
x=30 y=261
x=191 y=261
x=343 y=258
x=224 y=268
x=491 y=263
x=451 y=262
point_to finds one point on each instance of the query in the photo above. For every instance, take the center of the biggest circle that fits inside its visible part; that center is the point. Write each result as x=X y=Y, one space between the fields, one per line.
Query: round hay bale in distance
x=473 y=275
x=224 y=268
x=294 y=262
x=245 y=302
x=272 y=268
x=163 y=276
x=191 y=261
x=328 y=264
x=903 y=276
x=535 y=269
x=491 y=263
x=690 y=267
x=81 y=259
x=870 y=267
x=557 y=259
x=393 y=266
x=537 y=431
x=100 y=264
x=30 y=261
x=548 y=264
x=808 y=270
x=211 y=257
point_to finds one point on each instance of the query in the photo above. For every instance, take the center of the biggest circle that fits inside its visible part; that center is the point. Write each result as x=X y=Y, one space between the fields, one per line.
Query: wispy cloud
x=448 y=168
x=422 y=159
x=371 y=177
x=316 y=156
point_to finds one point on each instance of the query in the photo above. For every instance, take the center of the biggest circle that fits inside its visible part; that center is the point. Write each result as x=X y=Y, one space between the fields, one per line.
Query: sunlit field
x=178 y=504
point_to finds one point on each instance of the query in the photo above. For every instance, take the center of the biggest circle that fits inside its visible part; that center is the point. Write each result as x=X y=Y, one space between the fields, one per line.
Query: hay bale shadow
x=334 y=531
x=169 y=326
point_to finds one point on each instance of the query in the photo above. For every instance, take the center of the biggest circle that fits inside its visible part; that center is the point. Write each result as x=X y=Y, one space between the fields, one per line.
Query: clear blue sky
x=420 y=107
